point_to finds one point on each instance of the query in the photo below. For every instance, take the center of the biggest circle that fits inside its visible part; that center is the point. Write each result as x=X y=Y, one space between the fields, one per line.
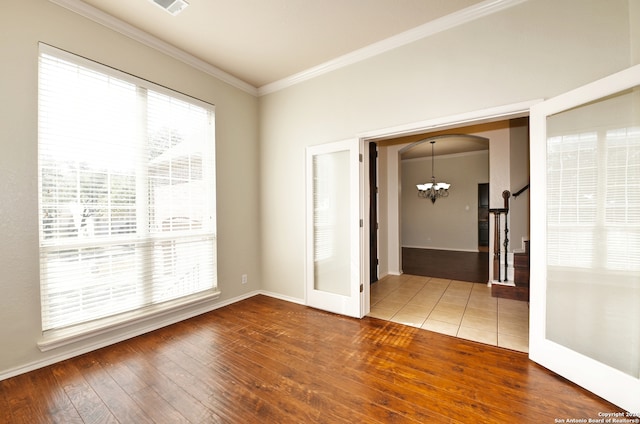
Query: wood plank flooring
x=448 y=264
x=263 y=360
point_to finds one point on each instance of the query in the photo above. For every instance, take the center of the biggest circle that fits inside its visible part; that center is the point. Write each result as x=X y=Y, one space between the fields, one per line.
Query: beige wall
x=519 y=178
x=383 y=214
x=450 y=223
x=634 y=25
x=23 y=24
x=534 y=50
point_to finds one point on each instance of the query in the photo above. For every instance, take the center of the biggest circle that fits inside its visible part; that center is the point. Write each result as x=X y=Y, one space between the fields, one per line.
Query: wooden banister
x=519 y=192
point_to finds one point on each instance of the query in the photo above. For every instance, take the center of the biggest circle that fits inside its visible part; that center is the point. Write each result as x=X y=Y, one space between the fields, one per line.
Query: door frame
x=391 y=207
x=372 y=175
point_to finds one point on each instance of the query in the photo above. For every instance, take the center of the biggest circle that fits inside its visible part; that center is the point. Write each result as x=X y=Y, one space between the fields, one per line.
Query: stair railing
x=497 y=237
x=519 y=192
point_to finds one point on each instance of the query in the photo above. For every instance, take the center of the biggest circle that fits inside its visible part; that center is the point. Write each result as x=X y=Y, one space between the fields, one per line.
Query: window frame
x=148 y=313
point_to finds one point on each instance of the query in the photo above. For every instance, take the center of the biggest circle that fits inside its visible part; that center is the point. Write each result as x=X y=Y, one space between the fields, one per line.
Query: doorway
x=391 y=267
x=439 y=232
x=451 y=223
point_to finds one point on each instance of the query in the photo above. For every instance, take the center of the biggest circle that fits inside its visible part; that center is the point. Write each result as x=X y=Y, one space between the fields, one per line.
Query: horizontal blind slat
x=593 y=200
x=126 y=195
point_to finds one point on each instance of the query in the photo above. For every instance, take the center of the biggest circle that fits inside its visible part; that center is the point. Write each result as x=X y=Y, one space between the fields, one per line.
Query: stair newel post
x=497 y=238
x=505 y=195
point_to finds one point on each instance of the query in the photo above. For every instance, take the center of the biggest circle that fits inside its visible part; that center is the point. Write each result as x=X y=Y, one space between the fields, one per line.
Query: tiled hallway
x=456 y=308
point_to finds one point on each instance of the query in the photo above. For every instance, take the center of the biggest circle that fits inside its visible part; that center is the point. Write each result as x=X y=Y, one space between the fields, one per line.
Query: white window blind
x=323 y=206
x=622 y=215
x=572 y=168
x=593 y=202
x=126 y=192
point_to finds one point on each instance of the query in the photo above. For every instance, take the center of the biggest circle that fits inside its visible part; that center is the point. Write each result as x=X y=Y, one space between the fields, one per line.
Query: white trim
x=151 y=326
x=448 y=249
x=50 y=50
x=282 y=297
x=381 y=276
x=103 y=342
x=57 y=338
x=364 y=197
x=96 y=15
x=510 y=111
x=503 y=283
x=444 y=23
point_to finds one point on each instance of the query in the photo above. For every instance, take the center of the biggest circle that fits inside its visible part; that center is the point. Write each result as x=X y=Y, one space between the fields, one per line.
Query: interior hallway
x=456 y=308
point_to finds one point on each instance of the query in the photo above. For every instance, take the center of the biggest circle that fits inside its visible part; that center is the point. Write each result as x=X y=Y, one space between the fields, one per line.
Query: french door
x=333 y=265
x=585 y=226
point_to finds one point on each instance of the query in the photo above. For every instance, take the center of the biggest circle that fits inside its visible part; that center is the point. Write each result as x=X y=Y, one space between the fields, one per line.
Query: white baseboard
x=381 y=276
x=282 y=297
x=442 y=248
x=107 y=340
x=503 y=283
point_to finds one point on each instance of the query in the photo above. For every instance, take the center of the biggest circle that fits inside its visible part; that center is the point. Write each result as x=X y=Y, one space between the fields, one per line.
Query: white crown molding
x=430 y=28
x=469 y=14
x=134 y=33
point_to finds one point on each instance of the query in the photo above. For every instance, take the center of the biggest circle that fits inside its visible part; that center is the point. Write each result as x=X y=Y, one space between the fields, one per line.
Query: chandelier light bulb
x=433 y=190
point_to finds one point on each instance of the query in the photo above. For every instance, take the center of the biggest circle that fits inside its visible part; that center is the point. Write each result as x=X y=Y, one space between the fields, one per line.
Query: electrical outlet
x=244 y=278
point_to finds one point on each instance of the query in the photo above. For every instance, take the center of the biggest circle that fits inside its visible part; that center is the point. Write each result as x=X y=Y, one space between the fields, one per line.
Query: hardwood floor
x=448 y=264
x=269 y=361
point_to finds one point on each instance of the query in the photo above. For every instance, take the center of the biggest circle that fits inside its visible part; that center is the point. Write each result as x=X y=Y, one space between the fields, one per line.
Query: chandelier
x=433 y=190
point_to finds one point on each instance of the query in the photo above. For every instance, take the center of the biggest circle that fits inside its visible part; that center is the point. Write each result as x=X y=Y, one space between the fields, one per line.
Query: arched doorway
x=440 y=236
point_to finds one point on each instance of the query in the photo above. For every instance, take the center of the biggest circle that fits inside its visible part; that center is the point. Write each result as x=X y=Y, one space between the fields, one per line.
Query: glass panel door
x=333 y=227
x=585 y=188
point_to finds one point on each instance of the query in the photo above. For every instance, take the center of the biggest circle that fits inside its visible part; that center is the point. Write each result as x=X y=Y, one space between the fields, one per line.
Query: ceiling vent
x=172 y=6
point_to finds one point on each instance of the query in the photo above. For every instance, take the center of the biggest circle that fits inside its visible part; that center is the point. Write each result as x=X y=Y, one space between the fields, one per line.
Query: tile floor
x=456 y=308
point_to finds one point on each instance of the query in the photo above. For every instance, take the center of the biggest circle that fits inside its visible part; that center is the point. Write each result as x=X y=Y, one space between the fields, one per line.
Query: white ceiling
x=261 y=42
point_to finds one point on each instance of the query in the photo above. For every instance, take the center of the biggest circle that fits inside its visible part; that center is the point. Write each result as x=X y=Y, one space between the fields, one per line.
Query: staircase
x=521 y=279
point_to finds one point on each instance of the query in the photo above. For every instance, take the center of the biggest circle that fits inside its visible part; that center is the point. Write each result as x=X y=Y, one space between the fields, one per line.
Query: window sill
x=163 y=314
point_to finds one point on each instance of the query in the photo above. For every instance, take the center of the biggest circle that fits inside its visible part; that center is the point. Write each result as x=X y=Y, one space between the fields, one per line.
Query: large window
x=126 y=193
